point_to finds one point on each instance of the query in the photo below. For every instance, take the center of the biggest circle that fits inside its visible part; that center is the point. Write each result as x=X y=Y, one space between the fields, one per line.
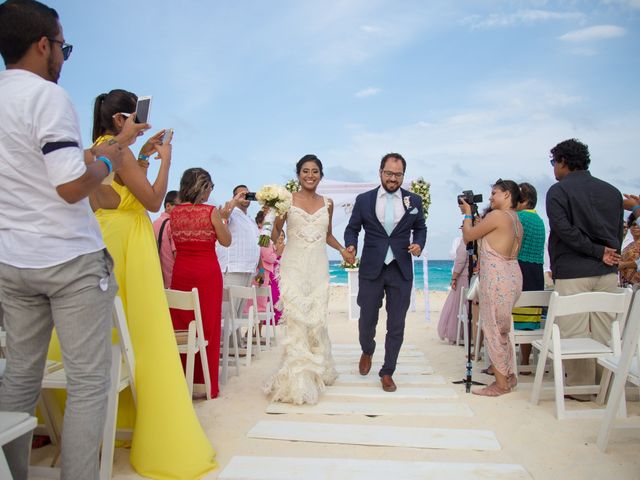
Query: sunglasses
x=66 y=48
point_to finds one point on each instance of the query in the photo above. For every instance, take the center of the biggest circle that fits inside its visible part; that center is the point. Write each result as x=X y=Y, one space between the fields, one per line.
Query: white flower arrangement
x=420 y=187
x=292 y=185
x=277 y=200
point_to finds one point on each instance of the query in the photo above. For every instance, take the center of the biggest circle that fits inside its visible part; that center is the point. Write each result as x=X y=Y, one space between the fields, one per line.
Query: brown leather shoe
x=365 y=364
x=388 y=385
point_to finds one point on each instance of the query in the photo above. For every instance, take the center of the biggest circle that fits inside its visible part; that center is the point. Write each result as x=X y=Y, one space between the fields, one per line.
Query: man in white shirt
x=238 y=262
x=54 y=268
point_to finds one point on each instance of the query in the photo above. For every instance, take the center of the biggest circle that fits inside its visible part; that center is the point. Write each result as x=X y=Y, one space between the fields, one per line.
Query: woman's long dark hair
x=106 y=106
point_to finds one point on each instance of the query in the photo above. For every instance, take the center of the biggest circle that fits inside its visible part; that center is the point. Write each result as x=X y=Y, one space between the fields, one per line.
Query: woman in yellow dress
x=168 y=440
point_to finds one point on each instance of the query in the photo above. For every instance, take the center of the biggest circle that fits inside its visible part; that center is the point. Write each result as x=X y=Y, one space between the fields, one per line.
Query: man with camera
x=586 y=221
x=394 y=229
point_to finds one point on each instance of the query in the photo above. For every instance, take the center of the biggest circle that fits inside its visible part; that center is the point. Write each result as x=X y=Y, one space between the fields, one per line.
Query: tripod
x=472 y=249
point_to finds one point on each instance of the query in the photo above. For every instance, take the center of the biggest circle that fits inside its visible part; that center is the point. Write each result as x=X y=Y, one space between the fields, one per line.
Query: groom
x=390 y=216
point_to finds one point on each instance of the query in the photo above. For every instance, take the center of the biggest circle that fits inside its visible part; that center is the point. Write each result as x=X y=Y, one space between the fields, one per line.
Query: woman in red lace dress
x=195 y=228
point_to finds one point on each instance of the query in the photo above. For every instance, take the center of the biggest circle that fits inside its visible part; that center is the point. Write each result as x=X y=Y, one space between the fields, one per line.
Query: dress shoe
x=388 y=385
x=365 y=364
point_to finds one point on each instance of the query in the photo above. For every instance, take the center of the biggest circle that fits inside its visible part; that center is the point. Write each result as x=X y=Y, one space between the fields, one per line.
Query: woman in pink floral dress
x=500 y=278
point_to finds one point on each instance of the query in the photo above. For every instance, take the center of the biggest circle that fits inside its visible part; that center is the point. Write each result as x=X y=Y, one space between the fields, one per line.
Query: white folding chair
x=236 y=296
x=122 y=353
x=538 y=298
x=463 y=318
x=268 y=316
x=12 y=426
x=556 y=348
x=625 y=367
x=229 y=332
x=192 y=340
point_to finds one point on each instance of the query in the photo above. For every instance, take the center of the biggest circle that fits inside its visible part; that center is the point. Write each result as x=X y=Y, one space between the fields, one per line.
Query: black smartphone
x=251 y=196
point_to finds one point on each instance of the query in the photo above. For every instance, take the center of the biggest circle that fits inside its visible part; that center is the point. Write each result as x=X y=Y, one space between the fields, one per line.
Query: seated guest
x=162 y=231
x=500 y=278
x=196 y=228
x=531 y=260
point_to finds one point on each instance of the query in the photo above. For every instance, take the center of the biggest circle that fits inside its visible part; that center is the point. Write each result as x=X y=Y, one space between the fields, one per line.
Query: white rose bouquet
x=277 y=199
x=420 y=187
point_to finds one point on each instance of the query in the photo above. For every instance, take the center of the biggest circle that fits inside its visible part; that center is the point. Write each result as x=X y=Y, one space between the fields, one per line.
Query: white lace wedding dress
x=307 y=365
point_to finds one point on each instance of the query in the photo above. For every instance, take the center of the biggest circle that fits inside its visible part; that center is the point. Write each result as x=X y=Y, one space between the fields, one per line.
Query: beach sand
x=529 y=435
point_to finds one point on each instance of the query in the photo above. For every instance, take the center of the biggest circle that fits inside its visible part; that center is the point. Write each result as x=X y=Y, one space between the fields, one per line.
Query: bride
x=307 y=365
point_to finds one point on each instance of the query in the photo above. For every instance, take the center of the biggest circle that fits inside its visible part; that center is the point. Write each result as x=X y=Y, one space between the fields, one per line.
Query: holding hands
x=349 y=254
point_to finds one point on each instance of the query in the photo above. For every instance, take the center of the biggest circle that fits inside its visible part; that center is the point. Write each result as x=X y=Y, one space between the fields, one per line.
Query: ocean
x=439 y=274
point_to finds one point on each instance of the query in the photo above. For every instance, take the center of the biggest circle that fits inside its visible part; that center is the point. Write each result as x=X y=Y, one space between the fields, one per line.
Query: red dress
x=197 y=266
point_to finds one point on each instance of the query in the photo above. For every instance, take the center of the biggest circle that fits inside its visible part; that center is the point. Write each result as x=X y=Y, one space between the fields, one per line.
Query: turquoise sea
x=439 y=274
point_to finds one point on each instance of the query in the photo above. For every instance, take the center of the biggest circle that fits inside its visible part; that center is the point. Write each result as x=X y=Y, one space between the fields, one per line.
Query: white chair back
x=196 y=341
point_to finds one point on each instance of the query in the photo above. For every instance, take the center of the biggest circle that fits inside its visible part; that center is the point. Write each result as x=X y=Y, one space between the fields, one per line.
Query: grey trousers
x=77 y=298
x=594 y=325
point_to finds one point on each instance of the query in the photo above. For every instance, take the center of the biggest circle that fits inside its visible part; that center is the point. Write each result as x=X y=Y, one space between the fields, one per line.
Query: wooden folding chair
x=12 y=426
x=229 y=333
x=518 y=337
x=122 y=354
x=557 y=349
x=625 y=367
x=236 y=296
x=268 y=316
x=192 y=340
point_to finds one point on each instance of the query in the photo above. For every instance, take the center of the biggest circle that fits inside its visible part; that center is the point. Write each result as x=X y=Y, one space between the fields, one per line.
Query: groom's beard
x=390 y=188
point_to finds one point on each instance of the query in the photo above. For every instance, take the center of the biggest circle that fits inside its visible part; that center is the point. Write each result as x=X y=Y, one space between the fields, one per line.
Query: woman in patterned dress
x=500 y=278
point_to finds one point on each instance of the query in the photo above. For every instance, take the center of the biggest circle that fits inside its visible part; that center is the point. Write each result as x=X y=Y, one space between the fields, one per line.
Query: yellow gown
x=168 y=440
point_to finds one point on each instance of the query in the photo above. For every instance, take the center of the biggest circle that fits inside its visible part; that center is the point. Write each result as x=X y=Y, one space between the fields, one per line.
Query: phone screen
x=251 y=196
x=142 y=109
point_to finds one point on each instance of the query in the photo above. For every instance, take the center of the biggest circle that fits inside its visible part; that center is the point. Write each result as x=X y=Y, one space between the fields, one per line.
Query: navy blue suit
x=377 y=279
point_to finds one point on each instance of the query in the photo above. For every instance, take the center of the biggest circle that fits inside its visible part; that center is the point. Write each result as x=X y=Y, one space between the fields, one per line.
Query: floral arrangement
x=346 y=265
x=276 y=200
x=292 y=185
x=420 y=187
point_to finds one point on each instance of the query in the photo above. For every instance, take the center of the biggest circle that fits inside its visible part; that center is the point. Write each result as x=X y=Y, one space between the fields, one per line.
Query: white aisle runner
x=378 y=435
x=420 y=394
x=287 y=468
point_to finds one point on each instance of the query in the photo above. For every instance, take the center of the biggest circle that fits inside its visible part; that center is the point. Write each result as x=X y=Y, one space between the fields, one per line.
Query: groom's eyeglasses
x=389 y=174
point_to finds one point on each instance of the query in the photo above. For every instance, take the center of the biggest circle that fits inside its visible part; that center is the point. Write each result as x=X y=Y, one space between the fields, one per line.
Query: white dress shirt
x=381 y=205
x=244 y=252
x=38 y=229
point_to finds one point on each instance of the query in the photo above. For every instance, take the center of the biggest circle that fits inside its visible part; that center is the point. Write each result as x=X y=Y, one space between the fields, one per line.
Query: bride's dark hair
x=309 y=158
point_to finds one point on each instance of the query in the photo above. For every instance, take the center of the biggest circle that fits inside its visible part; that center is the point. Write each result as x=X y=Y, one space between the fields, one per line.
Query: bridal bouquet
x=292 y=185
x=420 y=187
x=277 y=201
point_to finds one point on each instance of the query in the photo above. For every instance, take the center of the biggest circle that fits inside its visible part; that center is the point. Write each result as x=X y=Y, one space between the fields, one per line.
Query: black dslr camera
x=469 y=197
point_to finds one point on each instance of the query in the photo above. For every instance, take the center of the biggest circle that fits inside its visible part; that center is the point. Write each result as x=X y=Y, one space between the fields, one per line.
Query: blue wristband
x=469 y=217
x=107 y=162
x=142 y=156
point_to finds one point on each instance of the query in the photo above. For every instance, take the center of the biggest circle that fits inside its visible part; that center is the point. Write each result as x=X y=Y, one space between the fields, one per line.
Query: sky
x=466 y=91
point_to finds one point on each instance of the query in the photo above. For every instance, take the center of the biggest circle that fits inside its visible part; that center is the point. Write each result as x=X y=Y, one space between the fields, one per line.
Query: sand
x=529 y=435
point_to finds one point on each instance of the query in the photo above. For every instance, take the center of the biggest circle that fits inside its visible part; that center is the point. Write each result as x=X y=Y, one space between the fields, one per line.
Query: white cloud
x=498 y=20
x=596 y=32
x=635 y=4
x=367 y=92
